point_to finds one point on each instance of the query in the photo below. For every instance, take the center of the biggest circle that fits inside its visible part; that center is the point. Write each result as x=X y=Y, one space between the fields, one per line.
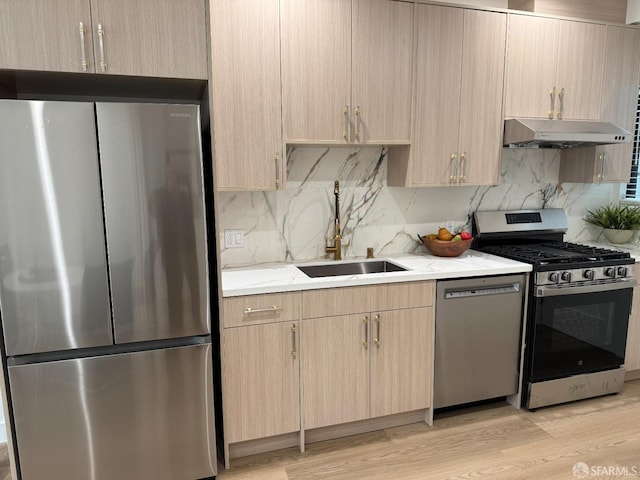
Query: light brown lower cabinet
x=298 y=361
x=367 y=352
x=401 y=360
x=261 y=381
x=335 y=369
x=366 y=365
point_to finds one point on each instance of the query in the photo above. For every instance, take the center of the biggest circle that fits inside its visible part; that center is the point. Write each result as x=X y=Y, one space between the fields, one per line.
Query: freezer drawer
x=142 y=415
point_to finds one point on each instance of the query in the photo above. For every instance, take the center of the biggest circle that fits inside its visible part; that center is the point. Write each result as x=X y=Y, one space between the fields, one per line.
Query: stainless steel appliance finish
x=578 y=309
x=103 y=412
x=154 y=210
x=478 y=331
x=494 y=222
x=530 y=132
x=53 y=272
x=350 y=268
x=575 y=387
x=108 y=345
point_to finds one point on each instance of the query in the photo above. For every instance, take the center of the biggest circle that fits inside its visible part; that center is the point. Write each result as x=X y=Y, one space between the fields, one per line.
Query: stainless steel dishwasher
x=478 y=332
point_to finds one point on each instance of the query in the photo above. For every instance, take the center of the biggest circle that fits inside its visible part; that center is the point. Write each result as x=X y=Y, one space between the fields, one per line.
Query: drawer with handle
x=257 y=309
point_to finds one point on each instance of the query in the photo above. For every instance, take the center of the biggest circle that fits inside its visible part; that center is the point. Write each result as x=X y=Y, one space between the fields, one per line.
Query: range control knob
x=554 y=277
x=589 y=274
x=610 y=272
x=622 y=271
x=566 y=276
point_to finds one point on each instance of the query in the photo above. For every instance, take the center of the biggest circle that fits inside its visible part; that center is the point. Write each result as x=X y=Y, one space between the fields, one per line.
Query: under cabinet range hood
x=540 y=133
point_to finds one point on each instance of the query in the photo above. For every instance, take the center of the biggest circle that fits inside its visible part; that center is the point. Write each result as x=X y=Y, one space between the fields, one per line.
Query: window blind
x=633 y=191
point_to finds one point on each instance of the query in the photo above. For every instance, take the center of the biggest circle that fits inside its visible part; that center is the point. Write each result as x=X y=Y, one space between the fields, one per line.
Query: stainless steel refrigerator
x=104 y=292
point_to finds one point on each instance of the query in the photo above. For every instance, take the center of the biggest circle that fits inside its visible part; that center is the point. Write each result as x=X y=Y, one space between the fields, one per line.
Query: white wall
x=633 y=11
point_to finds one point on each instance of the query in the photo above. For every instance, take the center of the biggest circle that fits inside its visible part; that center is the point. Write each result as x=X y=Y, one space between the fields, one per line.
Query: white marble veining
x=293 y=224
x=286 y=277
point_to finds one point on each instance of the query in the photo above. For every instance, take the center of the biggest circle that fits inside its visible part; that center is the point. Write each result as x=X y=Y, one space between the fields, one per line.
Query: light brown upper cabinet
x=459 y=86
x=157 y=38
x=554 y=68
x=611 y=163
x=246 y=99
x=347 y=71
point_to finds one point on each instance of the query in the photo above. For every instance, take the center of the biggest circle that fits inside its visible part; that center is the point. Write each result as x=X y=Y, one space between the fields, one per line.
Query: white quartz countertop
x=632 y=248
x=281 y=277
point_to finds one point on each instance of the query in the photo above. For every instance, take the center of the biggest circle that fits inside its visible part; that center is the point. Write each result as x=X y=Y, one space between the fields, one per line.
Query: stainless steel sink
x=350 y=268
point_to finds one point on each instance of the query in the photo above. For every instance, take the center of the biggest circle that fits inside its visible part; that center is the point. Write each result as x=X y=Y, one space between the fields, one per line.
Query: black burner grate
x=555 y=253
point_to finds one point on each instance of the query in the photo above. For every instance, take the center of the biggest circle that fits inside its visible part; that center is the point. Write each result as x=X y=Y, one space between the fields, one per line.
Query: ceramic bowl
x=618 y=236
x=441 y=248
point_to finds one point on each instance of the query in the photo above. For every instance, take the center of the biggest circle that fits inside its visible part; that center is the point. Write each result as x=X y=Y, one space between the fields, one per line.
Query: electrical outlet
x=450 y=225
x=233 y=238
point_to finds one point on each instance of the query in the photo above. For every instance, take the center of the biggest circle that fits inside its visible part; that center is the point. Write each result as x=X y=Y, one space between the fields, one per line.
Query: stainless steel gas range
x=578 y=305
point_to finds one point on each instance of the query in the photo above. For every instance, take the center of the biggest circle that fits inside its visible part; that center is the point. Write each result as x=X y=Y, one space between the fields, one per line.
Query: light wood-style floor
x=493 y=442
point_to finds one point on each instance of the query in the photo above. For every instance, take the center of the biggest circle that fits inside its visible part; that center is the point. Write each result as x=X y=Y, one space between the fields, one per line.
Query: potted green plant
x=619 y=221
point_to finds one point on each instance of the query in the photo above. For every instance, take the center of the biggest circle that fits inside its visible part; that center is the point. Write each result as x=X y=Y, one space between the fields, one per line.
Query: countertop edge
x=294 y=280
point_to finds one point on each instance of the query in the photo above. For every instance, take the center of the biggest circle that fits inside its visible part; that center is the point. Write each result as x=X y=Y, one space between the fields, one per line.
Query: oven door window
x=579 y=333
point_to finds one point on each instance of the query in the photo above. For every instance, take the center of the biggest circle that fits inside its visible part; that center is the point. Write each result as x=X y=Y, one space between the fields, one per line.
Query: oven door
x=579 y=329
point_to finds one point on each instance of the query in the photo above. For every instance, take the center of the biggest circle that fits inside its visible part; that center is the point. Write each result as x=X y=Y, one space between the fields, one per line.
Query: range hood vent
x=538 y=133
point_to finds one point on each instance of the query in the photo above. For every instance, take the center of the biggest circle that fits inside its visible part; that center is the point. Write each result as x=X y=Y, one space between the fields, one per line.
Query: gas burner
x=547 y=254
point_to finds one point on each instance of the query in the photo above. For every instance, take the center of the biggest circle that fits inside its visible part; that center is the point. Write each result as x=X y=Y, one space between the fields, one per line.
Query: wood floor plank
x=490 y=442
x=494 y=442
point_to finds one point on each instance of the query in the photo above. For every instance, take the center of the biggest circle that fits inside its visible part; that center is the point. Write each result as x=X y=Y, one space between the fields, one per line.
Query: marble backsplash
x=292 y=225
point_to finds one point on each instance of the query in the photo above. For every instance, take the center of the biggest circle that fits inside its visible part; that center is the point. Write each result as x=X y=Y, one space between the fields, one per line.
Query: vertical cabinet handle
x=346 y=134
x=453 y=178
x=277 y=161
x=83 y=61
x=103 y=63
x=294 y=351
x=560 y=111
x=552 y=100
x=463 y=167
x=376 y=340
x=365 y=342
x=357 y=135
x=603 y=159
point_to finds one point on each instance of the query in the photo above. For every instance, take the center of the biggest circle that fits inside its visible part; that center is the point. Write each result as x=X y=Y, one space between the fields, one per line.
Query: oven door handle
x=556 y=290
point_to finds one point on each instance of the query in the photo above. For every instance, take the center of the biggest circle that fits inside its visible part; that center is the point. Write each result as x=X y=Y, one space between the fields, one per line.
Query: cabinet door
x=580 y=65
x=481 y=97
x=438 y=79
x=335 y=370
x=247 y=121
x=401 y=360
x=154 y=38
x=632 y=355
x=39 y=35
x=261 y=380
x=619 y=96
x=531 y=66
x=382 y=72
x=316 y=59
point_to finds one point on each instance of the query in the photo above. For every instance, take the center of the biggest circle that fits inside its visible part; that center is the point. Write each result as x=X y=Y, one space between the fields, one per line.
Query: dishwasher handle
x=478 y=292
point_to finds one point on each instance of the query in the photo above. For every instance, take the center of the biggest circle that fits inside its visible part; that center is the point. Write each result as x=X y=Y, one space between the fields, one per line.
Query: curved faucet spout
x=336 y=249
